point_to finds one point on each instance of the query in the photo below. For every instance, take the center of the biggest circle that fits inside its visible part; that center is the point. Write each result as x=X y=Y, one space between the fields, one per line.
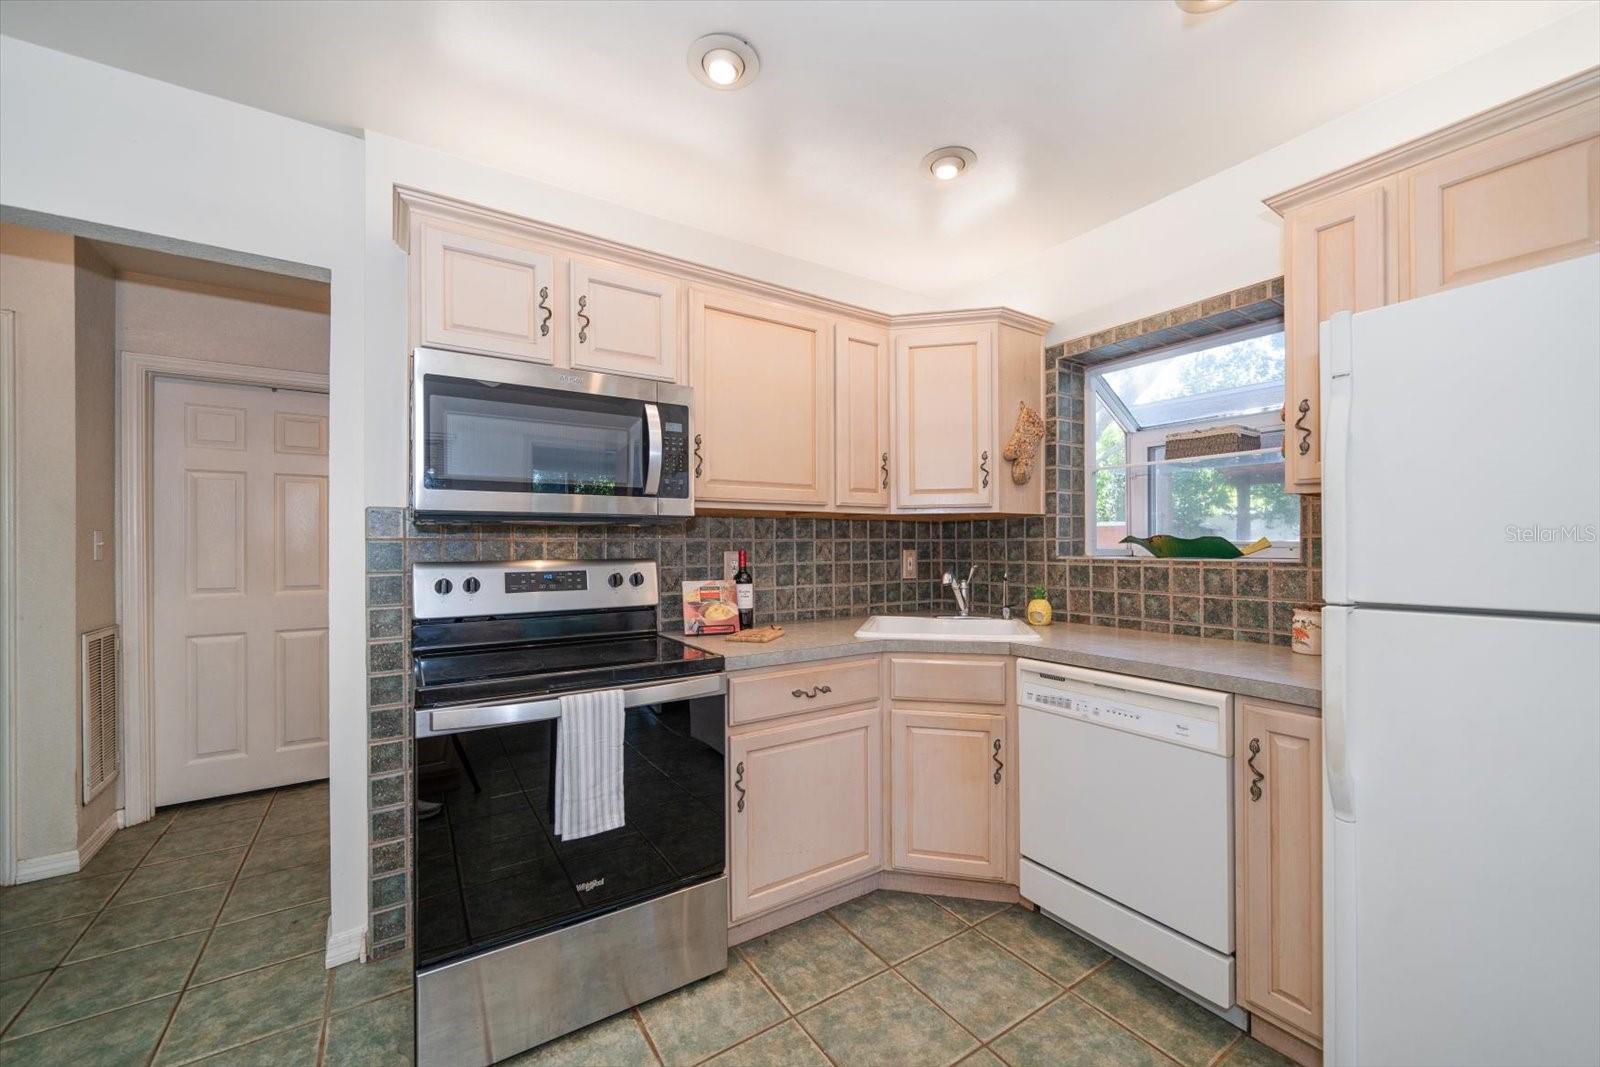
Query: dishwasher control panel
x=1195 y=718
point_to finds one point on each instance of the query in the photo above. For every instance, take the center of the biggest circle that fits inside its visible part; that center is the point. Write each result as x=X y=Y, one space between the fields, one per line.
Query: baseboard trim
x=42 y=867
x=896 y=881
x=97 y=840
x=936 y=885
x=1280 y=1040
x=344 y=946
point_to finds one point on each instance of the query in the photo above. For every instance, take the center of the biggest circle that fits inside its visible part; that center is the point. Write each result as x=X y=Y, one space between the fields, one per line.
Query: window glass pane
x=1237 y=497
x=1110 y=486
x=1235 y=378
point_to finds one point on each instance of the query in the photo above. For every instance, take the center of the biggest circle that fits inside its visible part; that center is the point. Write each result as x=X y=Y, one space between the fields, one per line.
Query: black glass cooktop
x=530 y=671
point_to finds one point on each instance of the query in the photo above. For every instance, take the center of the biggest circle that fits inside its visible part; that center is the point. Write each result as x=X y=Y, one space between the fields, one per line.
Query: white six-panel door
x=239 y=550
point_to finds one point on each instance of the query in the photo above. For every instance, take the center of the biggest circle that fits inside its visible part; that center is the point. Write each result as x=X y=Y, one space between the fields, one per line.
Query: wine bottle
x=744 y=593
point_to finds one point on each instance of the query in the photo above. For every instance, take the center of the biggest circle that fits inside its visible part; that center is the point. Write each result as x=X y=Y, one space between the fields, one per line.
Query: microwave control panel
x=674 y=452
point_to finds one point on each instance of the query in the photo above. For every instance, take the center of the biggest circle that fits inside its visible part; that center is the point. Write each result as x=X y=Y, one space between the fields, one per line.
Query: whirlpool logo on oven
x=593 y=883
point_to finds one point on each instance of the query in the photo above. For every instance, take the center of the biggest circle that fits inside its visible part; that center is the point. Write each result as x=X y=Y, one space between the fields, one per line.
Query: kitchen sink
x=917 y=628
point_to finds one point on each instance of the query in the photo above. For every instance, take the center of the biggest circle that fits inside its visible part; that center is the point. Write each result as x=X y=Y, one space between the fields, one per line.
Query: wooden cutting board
x=759 y=636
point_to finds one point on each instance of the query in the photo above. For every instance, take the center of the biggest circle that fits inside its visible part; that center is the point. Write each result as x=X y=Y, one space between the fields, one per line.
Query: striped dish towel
x=589 y=764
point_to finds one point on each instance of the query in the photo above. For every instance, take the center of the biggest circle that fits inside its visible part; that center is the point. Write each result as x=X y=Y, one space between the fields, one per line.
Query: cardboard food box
x=710 y=608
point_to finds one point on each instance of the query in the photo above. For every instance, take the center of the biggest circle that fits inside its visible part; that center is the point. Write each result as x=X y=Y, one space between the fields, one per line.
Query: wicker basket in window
x=1213 y=441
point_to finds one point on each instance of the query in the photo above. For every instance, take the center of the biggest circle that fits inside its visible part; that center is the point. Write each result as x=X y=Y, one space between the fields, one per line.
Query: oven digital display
x=674 y=427
x=546 y=581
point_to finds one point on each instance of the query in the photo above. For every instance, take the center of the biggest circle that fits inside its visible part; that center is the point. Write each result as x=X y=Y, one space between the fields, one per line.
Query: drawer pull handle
x=998 y=766
x=583 y=331
x=738 y=783
x=886 y=470
x=983 y=465
x=699 y=460
x=1300 y=424
x=544 y=306
x=1256 y=777
x=811 y=693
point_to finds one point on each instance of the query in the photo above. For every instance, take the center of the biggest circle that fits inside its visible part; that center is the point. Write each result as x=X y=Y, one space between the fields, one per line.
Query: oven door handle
x=442 y=721
x=652 y=478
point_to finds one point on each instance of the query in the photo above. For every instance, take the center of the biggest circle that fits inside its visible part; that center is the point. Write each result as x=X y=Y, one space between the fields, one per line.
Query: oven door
x=490 y=871
x=497 y=437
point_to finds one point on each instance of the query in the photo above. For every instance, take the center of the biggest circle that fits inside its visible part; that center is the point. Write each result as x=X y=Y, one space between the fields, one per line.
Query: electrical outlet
x=730 y=565
x=908 y=563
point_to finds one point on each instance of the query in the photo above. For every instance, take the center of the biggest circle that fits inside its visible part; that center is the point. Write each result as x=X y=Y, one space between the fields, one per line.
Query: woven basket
x=1216 y=441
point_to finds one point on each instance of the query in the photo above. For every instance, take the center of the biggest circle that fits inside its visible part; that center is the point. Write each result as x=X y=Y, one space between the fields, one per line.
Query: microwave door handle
x=652 y=478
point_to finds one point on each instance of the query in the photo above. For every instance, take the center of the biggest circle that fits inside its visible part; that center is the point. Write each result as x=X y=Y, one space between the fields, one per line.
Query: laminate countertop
x=1266 y=671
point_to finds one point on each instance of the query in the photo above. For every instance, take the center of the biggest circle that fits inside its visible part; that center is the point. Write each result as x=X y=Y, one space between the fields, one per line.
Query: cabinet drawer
x=948 y=679
x=808 y=687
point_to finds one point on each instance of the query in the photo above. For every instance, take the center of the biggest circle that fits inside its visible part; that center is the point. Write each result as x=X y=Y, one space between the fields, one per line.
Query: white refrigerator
x=1461 y=675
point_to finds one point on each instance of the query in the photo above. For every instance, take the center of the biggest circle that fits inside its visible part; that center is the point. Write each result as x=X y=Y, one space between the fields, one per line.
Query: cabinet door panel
x=624 y=321
x=945 y=454
x=763 y=380
x=1336 y=262
x=1280 y=865
x=486 y=296
x=1527 y=197
x=948 y=810
x=861 y=411
x=805 y=806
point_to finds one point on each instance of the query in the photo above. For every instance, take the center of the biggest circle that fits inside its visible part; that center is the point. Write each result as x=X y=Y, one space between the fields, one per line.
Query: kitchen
x=883 y=835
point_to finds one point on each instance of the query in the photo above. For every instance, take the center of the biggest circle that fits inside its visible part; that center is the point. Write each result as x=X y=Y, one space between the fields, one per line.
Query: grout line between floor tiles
x=1095 y=1007
x=649 y=1038
x=206 y=943
x=1227 y=1050
x=324 y=1029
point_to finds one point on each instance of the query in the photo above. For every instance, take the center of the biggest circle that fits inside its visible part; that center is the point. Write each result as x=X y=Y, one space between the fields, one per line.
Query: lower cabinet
x=948 y=791
x=805 y=806
x=1278 y=798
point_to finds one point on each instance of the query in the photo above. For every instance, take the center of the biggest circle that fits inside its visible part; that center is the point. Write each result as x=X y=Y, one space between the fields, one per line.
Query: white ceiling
x=1079 y=112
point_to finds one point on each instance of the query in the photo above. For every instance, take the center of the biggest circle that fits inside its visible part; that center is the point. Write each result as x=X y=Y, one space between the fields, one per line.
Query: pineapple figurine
x=1039 y=613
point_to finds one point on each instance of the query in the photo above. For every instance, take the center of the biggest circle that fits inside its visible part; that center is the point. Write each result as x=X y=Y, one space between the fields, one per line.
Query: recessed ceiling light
x=1201 y=7
x=722 y=61
x=948 y=164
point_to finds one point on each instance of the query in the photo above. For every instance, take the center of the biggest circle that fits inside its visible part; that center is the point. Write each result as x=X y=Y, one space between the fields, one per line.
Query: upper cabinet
x=477 y=294
x=624 y=321
x=861 y=415
x=944 y=401
x=1512 y=188
x=800 y=403
x=762 y=375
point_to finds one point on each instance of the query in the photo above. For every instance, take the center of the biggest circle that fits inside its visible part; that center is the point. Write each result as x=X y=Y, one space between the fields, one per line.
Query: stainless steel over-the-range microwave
x=498 y=438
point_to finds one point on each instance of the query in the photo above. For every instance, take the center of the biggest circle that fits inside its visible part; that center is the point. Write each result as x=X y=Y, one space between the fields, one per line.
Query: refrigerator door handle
x=1336 y=384
x=1335 y=726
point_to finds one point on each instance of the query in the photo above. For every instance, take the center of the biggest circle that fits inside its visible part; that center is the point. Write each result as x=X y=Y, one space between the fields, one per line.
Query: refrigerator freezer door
x=1463 y=440
x=1462 y=920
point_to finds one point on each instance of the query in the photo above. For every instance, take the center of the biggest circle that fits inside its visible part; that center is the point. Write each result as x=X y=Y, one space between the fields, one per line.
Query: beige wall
x=94 y=404
x=165 y=317
x=37 y=281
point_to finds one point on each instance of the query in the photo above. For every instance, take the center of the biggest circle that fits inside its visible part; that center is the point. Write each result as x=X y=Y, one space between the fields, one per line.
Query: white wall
x=193 y=320
x=1217 y=235
x=86 y=142
x=390 y=162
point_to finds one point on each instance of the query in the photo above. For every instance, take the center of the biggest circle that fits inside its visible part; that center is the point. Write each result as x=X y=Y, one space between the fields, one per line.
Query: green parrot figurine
x=1165 y=546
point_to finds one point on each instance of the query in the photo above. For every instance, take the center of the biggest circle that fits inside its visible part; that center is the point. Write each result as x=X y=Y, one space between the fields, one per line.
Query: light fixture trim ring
x=967 y=157
x=711 y=42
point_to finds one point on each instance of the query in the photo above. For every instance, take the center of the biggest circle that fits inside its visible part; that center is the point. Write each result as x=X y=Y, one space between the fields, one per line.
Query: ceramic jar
x=1306 y=631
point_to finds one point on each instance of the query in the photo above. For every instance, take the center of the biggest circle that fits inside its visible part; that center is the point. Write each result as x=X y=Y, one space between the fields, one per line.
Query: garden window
x=1224 y=388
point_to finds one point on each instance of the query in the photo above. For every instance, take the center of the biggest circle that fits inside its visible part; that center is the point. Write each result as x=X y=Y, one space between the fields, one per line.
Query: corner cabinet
x=861 y=416
x=804 y=807
x=762 y=375
x=945 y=455
x=1278 y=845
x=1509 y=189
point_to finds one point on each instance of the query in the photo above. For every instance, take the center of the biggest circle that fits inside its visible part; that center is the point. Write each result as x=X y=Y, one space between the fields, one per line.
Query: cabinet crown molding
x=409 y=201
x=1573 y=91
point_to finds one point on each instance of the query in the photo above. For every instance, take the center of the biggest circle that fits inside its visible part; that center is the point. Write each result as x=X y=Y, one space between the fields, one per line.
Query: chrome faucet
x=962 y=590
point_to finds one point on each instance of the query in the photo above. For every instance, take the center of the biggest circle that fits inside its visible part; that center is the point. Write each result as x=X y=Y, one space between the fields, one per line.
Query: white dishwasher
x=1127 y=817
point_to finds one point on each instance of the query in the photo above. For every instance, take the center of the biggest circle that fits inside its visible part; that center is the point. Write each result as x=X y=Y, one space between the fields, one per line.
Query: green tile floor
x=899 y=978
x=197 y=936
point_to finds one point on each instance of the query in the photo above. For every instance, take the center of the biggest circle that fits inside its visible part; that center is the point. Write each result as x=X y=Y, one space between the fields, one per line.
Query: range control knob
x=636 y=579
x=442 y=586
x=615 y=580
x=472 y=585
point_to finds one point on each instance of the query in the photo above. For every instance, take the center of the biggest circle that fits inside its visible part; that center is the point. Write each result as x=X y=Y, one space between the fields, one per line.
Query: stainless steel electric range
x=522 y=936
